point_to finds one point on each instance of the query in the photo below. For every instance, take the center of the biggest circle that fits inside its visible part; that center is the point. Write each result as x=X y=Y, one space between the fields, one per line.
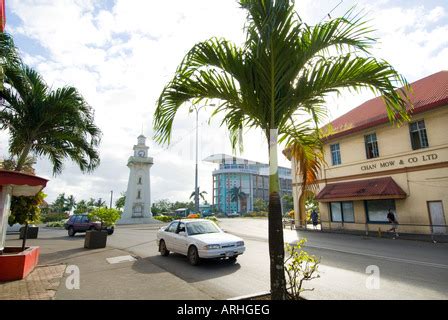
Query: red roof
x=428 y=93
x=380 y=188
x=23 y=184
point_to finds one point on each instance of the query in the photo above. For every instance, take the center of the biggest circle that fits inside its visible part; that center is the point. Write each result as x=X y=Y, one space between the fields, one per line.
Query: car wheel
x=162 y=248
x=233 y=259
x=110 y=232
x=193 y=256
x=71 y=232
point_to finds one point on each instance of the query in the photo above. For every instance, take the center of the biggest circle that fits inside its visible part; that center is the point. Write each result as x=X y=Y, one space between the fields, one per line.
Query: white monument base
x=126 y=220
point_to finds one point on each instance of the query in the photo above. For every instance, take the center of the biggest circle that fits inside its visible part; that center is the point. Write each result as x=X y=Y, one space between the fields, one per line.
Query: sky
x=121 y=53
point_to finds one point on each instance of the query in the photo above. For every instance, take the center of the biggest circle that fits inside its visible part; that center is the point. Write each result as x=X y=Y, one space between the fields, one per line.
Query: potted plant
x=17 y=262
x=26 y=211
x=96 y=239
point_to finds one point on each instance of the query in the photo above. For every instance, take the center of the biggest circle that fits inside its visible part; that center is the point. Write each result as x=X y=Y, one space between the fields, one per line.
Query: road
x=408 y=269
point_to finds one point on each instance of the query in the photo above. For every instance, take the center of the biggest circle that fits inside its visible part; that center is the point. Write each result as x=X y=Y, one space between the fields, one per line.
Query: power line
x=329 y=13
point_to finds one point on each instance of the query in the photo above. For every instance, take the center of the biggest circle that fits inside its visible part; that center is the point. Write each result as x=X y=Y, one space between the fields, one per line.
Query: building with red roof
x=373 y=166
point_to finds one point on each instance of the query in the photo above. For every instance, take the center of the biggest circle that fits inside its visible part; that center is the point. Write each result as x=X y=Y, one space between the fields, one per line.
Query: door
x=180 y=240
x=84 y=224
x=437 y=216
x=168 y=235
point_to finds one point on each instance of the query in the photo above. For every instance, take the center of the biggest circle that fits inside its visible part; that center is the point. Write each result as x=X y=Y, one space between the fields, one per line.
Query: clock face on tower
x=141 y=153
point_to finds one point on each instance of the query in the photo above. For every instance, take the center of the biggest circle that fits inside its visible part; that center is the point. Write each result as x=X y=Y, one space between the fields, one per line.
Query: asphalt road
x=407 y=269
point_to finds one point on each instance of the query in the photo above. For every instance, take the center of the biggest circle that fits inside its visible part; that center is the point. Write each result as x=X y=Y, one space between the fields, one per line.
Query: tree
x=107 y=216
x=119 y=204
x=27 y=167
x=81 y=207
x=288 y=202
x=25 y=210
x=260 y=205
x=200 y=193
x=306 y=152
x=9 y=55
x=70 y=202
x=236 y=195
x=60 y=204
x=57 y=124
x=283 y=71
x=99 y=203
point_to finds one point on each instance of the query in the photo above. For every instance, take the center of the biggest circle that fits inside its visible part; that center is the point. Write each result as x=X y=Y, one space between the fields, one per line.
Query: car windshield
x=201 y=227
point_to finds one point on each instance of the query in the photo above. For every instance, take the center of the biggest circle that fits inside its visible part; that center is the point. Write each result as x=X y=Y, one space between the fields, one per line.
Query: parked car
x=81 y=223
x=233 y=214
x=198 y=239
x=15 y=228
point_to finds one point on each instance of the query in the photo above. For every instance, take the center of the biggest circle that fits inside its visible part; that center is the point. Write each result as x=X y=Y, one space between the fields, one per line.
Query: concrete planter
x=16 y=264
x=32 y=232
x=95 y=239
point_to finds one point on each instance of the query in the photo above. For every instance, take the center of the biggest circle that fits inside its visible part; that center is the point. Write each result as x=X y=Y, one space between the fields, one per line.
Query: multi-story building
x=251 y=177
x=373 y=166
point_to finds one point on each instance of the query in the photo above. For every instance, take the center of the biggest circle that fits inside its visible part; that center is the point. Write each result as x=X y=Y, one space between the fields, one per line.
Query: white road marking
x=120 y=259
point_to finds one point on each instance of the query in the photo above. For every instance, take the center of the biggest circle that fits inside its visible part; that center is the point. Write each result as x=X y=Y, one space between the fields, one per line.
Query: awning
x=22 y=184
x=369 y=189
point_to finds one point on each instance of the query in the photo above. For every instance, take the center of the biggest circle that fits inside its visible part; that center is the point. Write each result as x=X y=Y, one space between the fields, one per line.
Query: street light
x=196 y=189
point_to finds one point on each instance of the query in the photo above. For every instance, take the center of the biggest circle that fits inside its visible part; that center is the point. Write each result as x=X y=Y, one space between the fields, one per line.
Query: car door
x=84 y=223
x=168 y=236
x=180 y=240
x=77 y=224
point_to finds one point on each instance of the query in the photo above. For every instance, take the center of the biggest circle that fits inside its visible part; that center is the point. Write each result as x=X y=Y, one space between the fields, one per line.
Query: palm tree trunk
x=276 y=244
x=22 y=158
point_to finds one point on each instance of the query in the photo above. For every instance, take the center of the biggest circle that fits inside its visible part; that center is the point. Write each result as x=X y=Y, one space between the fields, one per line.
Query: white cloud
x=121 y=58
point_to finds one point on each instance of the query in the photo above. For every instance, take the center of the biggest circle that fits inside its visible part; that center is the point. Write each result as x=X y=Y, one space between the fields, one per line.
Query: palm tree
x=100 y=203
x=237 y=195
x=57 y=124
x=306 y=153
x=71 y=202
x=8 y=55
x=200 y=194
x=280 y=75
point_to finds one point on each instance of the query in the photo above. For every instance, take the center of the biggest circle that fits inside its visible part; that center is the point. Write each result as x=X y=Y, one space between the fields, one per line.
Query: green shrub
x=53 y=217
x=56 y=224
x=299 y=267
x=164 y=218
x=256 y=214
x=107 y=216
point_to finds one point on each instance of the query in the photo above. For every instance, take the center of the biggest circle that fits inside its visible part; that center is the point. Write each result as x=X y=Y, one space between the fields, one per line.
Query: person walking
x=314 y=218
x=393 y=221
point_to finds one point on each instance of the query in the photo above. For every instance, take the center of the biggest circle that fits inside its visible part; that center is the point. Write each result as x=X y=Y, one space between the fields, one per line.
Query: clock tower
x=137 y=208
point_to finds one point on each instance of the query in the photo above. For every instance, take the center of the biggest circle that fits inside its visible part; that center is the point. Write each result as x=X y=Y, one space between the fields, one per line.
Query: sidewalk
x=99 y=279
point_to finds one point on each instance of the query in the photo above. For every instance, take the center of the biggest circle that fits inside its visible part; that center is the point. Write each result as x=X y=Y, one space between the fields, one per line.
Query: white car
x=198 y=239
x=15 y=228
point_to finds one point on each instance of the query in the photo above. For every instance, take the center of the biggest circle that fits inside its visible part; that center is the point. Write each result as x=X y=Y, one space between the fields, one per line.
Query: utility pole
x=196 y=187
x=196 y=191
x=111 y=195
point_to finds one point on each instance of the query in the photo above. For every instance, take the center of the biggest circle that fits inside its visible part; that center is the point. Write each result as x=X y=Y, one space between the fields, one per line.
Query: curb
x=253 y=295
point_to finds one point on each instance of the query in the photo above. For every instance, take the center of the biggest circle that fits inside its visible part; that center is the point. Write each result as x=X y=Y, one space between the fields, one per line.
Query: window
x=376 y=210
x=342 y=212
x=335 y=154
x=371 y=146
x=85 y=219
x=172 y=227
x=181 y=227
x=419 y=139
x=139 y=194
x=140 y=180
